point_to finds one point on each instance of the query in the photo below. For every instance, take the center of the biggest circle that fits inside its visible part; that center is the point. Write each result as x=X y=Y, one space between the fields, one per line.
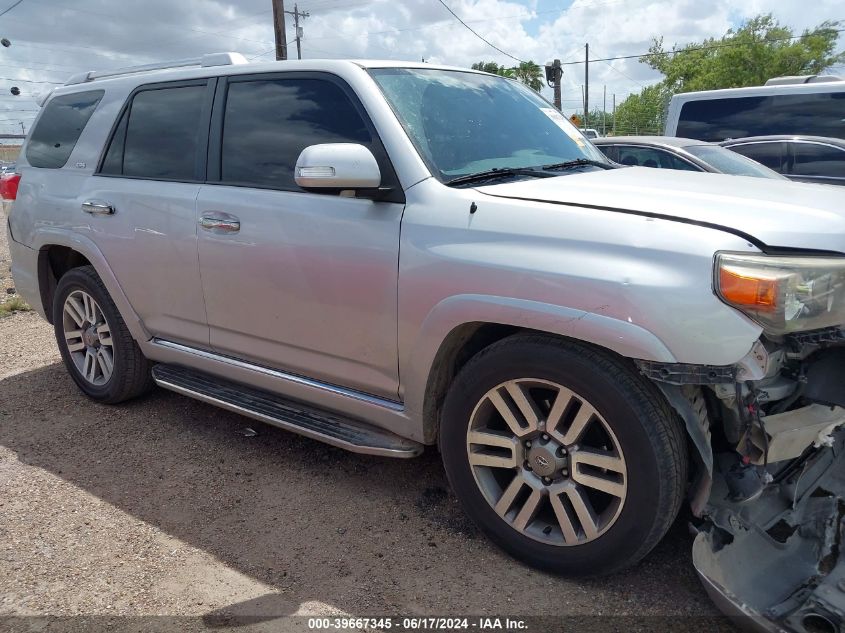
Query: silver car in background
x=685 y=154
x=815 y=159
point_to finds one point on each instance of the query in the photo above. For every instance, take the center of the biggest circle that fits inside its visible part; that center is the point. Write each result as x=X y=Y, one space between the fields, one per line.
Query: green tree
x=642 y=113
x=530 y=74
x=759 y=50
x=493 y=68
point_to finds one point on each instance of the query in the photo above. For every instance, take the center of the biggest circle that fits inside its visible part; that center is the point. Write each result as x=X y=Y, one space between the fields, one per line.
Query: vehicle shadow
x=363 y=534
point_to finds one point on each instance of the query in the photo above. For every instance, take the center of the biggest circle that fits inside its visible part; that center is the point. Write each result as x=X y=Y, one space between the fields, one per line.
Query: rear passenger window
x=159 y=135
x=59 y=128
x=813 y=159
x=268 y=123
x=768 y=154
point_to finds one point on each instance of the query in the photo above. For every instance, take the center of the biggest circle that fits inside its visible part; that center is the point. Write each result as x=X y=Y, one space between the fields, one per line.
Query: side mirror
x=337 y=166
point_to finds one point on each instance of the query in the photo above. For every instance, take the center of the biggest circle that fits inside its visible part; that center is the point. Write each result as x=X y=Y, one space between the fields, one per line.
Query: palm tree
x=530 y=74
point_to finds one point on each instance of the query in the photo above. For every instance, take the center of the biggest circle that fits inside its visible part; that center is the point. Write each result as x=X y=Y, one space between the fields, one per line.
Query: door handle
x=97 y=207
x=219 y=222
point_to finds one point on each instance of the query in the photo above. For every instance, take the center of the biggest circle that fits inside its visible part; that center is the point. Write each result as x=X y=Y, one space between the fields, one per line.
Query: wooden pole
x=279 y=29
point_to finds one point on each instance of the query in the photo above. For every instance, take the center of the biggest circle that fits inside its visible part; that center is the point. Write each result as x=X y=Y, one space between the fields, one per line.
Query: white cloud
x=52 y=39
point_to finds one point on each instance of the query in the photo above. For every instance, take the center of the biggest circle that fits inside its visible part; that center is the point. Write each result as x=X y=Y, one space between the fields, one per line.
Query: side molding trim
x=281 y=375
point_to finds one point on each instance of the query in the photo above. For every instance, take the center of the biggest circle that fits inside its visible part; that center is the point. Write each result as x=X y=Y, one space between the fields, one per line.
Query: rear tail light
x=9 y=186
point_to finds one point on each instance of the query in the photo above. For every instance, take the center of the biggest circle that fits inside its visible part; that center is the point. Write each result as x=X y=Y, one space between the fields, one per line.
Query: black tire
x=648 y=431
x=131 y=375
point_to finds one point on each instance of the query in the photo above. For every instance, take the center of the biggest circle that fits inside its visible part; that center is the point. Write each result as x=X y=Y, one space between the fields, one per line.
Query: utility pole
x=586 y=85
x=279 y=29
x=614 y=114
x=554 y=73
x=604 y=111
x=23 y=129
x=296 y=13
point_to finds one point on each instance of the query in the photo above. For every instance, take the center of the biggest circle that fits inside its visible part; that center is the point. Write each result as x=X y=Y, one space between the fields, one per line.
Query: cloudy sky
x=52 y=39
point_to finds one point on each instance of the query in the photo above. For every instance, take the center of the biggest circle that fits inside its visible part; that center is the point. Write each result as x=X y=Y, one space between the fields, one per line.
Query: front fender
x=44 y=238
x=624 y=338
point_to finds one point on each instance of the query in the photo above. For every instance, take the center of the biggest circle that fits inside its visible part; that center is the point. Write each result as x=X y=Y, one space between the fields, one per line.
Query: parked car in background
x=805 y=158
x=590 y=133
x=667 y=152
x=785 y=105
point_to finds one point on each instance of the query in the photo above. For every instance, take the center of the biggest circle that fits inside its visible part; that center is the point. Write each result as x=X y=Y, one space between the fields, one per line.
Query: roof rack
x=209 y=59
x=802 y=79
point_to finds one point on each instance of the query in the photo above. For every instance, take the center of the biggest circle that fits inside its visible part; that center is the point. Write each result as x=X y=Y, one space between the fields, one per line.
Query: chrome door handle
x=220 y=222
x=97 y=207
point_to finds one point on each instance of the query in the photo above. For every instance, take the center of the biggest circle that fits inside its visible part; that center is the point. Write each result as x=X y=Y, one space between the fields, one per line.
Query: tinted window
x=768 y=154
x=159 y=135
x=816 y=114
x=59 y=127
x=651 y=157
x=610 y=151
x=811 y=159
x=728 y=162
x=268 y=123
x=113 y=162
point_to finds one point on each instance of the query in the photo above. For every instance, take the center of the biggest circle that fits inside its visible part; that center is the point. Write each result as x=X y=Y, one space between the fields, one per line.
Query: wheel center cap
x=544 y=461
x=90 y=338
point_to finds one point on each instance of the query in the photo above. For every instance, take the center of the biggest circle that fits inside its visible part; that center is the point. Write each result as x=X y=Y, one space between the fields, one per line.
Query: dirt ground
x=162 y=514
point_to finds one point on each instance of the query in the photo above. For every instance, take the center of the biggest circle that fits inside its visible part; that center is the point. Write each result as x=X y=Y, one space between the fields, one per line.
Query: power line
x=31 y=81
x=469 y=28
x=5 y=11
x=612 y=67
x=699 y=48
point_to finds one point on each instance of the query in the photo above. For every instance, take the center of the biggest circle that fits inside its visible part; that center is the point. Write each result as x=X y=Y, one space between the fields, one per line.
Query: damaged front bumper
x=777 y=563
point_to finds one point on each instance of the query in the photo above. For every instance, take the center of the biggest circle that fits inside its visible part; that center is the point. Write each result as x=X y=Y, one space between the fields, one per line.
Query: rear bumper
x=25 y=272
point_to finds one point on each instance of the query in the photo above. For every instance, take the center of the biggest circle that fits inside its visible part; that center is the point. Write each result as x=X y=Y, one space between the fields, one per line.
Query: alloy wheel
x=88 y=337
x=547 y=462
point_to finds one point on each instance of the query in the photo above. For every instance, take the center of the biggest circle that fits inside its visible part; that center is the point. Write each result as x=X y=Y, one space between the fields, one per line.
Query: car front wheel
x=563 y=455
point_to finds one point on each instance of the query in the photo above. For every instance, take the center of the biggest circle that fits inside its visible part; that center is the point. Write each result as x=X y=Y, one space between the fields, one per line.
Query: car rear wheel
x=563 y=455
x=96 y=346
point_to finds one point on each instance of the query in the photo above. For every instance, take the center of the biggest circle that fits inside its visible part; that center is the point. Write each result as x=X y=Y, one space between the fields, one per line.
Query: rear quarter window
x=60 y=127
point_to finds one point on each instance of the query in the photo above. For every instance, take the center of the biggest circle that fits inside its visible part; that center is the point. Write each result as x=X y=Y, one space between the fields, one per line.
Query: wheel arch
x=461 y=326
x=54 y=260
x=59 y=252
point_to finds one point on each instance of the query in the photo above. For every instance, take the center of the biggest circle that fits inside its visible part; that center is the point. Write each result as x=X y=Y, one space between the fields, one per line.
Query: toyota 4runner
x=387 y=256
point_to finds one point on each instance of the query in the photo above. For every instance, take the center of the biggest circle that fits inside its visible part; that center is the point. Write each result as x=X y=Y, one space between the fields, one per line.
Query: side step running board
x=346 y=433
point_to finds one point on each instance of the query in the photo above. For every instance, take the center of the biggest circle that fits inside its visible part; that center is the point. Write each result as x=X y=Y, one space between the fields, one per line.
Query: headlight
x=784 y=294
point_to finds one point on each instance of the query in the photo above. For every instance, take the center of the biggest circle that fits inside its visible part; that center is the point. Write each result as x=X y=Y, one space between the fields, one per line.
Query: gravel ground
x=163 y=507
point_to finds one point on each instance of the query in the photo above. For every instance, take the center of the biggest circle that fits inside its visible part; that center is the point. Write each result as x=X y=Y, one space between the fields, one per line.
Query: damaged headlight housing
x=784 y=294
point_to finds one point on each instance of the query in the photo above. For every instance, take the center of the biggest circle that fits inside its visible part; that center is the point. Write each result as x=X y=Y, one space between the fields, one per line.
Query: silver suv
x=388 y=256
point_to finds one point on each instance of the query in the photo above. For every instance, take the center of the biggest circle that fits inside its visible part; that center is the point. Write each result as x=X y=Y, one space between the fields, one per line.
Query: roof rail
x=802 y=79
x=209 y=59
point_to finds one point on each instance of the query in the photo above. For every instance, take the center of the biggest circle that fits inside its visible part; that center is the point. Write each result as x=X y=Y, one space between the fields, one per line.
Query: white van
x=795 y=105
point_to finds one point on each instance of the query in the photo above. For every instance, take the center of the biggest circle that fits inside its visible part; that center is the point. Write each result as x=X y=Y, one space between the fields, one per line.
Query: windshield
x=729 y=162
x=464 y=123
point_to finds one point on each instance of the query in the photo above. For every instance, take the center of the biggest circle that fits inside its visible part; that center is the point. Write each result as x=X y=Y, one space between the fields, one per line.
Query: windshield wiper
x=578 y=162
x=495 y=174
